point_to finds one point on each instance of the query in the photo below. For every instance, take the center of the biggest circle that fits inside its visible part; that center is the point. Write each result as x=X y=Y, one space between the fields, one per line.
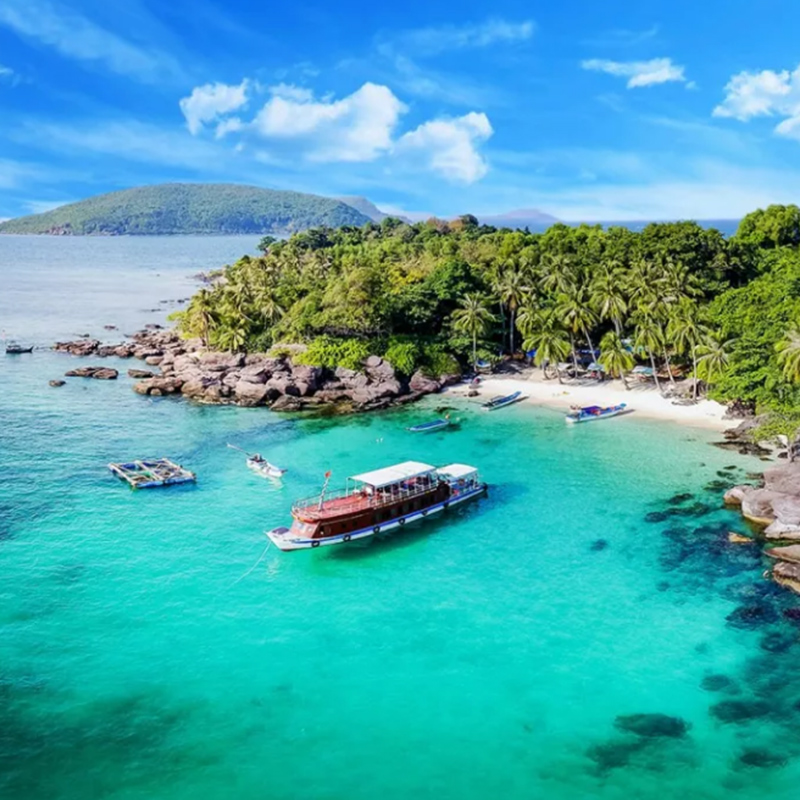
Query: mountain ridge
x=190 y=208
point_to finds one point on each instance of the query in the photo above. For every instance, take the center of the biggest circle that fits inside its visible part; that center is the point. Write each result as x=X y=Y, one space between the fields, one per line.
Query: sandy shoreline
x=644 y=400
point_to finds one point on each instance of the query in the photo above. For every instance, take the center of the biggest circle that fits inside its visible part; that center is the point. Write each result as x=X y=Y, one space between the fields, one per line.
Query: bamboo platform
x=151 y=473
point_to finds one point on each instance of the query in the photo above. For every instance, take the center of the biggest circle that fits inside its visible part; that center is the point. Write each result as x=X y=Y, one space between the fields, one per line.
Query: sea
x=585 y=631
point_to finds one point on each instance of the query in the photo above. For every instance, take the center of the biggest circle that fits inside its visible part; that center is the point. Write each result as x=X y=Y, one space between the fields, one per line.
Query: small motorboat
x=263 y=467
x=590 y=413
x=433 y=425
x=259 y=464
x=502 y=401
x=14 y=349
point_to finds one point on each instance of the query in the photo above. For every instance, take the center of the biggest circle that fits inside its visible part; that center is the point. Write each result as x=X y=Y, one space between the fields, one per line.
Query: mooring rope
x=260 y=558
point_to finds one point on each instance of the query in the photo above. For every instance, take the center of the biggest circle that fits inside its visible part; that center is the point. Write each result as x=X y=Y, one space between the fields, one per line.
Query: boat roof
x=395 y=474
x=456 y=471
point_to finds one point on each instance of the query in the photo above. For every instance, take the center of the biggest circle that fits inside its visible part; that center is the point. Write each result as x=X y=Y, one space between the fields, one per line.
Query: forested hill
x=191 y=208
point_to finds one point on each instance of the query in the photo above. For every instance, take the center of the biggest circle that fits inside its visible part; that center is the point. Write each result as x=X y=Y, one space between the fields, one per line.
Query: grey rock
x=140 y=373
x=57 y=383
x=420 y=382
x=251 y=394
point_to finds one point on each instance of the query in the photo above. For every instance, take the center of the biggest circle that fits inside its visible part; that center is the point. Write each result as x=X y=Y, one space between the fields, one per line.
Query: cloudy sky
x=587 y=110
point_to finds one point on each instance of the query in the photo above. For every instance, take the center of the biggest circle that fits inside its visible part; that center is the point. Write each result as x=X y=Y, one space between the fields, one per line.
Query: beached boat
x=152 y=473
x=263 y=467
x=502 y=401
x=590 y=413
x=14 y=349
x=433 y=425
x=376 y=502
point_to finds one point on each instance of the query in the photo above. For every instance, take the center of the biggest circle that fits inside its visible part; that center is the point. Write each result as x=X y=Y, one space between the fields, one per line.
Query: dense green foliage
x=673 y=295
x=175 y=208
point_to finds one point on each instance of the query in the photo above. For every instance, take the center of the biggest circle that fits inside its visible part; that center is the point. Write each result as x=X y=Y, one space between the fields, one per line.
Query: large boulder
x=251 y=394
x=735 y=495
x=757 y=505
x=99 y=373
x=196 y=388
x=350 y=378
x=255 y=373
x=783 y=478
x=220 y=362
x=788 y=553
x=286 y=403
x=80 y=347
x=787 y=574
x=378 y=369
x=420 y=382
x=158 y=386
x=283 y=384
x=231 y=378
x=140 y=374
x=308 y=375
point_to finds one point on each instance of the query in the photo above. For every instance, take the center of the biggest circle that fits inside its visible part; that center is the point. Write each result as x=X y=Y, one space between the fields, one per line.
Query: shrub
x=404 y=356
x=327 y=351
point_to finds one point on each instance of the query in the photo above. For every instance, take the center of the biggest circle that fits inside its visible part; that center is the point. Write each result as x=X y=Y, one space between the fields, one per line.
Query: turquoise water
x=486 y=654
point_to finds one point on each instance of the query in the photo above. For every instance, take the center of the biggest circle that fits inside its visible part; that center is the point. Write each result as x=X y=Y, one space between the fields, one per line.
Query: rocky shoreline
x=187 y=368
x=773 y=510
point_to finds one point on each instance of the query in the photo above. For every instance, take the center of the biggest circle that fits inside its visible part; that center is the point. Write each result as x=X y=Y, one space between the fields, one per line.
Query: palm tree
x=202 y=309
x=511 y=290
x=713 y=357
x=788 y=350
x=615 y=356
x=608 y=297
x=528 y=315
x=649 y=336
x=232 y=337
x=686 y=333
x=575 y=310
x=557 y=273
x=549 y=339
x=472 y=318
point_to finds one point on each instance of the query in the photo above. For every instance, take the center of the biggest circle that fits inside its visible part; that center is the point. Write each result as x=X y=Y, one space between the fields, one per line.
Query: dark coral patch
x=752 y=616
x=598 y=545
x=763 y=759
x=736 y=712
x=652 y=726
x=717 y=683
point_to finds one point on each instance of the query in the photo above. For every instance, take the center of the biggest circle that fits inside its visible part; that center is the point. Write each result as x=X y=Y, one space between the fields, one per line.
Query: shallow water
x=481 y=655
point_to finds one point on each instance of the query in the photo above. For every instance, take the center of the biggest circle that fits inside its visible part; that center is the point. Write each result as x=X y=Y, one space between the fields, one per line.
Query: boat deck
x=355 y=502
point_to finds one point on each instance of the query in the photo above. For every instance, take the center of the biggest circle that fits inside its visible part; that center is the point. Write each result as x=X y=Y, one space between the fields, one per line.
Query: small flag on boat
x=328 y=474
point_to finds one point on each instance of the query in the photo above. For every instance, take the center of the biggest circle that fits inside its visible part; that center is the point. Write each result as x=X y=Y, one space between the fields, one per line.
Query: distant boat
x=590 y=413
x=263 y=467
x=433 y=425
x=14 y=349
x=259 y=464
x=502 y=401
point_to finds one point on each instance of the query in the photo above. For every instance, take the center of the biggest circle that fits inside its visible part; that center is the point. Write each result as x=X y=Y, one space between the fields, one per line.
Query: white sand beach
x=643 y=399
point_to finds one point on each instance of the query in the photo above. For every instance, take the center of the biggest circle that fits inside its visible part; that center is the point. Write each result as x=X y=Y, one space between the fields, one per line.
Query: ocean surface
x=151 y=648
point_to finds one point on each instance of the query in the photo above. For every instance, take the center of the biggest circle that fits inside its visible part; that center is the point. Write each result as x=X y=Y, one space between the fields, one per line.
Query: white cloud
x=434 y=40
x=766 y=93
x=211 y=101
x=639 y=73
x=358 y=127
x=449 y=146
x=76 y=37
x=6 y=72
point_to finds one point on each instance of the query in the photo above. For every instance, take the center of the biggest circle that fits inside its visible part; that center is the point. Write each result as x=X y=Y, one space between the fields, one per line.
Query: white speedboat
x=263 y=467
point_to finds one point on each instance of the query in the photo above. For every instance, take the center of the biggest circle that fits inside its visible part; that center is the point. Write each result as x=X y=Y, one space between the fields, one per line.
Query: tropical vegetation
x=676 y=297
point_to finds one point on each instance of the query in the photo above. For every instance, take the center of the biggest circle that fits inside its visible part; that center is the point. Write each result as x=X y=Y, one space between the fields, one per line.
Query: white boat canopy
x=456 y=471
x=389 y=475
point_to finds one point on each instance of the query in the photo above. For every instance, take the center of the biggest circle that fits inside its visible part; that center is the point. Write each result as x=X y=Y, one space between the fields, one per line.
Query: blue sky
x=587 y=110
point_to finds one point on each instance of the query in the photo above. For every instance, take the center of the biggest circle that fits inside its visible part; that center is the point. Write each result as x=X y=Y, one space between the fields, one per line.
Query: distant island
x=192 y=208
x=519 y=218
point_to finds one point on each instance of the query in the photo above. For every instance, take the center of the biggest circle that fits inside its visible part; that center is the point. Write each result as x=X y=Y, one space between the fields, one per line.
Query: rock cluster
x=189 y=369
x=775 y=507
x=99 y=373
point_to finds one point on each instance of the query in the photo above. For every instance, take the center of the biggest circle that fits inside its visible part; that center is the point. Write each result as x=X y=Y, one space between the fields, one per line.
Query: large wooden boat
x=379 y=501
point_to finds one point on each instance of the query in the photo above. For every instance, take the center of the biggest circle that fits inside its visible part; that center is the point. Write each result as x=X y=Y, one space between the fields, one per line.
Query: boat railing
x=346 y=500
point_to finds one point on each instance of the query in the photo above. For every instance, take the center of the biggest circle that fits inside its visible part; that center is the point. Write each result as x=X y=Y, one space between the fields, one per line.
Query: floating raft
x=152 y=473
